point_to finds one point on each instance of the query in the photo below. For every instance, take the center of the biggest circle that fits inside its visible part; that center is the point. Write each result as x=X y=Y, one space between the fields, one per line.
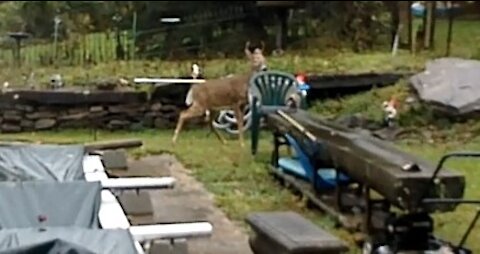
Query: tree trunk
x=282 y=28
x=404 y=18
x=395 y=21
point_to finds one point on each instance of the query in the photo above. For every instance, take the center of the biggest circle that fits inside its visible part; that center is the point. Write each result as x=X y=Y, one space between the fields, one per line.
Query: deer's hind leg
x=193 y=111
x=239 y=117
x=212 y=116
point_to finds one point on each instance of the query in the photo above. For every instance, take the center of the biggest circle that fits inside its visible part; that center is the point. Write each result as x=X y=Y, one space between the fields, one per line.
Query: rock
x=128 y=109
x=153 y=114
x=161 y=123
x=78 y=110
x=10 y=128
x=135 y=112
x=40 y=114
x=12 y=116
x=117 y=108
x=169 y=108
x=27 y=124
x=96 y=109
x=44 y=124
x=156 y=106
x=97 y=115
x=25 y=108
x=12 y=112
x=118 y=124
x=73 y=117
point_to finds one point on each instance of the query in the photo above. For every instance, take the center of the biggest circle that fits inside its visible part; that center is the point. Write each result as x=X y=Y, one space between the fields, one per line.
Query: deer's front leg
x=239 y=116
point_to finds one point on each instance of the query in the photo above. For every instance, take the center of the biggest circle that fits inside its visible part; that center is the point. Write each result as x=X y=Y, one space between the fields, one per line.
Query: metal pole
x=57 y=22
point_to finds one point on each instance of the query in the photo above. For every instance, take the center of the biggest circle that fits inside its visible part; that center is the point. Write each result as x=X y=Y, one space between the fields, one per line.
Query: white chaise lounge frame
x=112 y=216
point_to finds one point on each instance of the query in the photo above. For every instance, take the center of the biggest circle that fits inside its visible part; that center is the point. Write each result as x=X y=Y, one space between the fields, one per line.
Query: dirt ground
x=188 y=201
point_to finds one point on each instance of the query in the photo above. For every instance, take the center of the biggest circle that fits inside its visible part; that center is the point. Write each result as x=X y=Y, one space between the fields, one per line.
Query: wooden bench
x=290 y=233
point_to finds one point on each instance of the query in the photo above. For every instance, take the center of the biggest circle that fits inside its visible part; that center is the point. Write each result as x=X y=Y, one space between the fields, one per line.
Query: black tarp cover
x=66 y=241
x=47 y=203
x=24 y=162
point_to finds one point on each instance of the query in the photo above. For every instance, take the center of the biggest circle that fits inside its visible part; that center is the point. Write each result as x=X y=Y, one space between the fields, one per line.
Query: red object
x=301 y=78
x=393 y=102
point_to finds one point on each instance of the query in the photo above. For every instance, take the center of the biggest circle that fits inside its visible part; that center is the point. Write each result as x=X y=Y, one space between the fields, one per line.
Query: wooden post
x=405 y=20
x=396 y=27
x=432 y=28
x=450 y=27
x=282 y=15
x=410 y=27
x=428 y=21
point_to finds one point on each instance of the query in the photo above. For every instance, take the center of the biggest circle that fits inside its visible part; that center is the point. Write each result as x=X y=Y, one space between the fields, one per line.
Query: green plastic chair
x=269 y=90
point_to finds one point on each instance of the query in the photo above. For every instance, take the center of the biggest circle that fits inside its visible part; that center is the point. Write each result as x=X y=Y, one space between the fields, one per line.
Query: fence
x=109 y=46
x=104 y=47
x=96 y=47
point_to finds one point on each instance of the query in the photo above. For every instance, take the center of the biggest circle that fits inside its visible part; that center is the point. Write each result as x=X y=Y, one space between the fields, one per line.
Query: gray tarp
x=23 y=162
x=66 y=240
x=452 y=85
x=46 y=203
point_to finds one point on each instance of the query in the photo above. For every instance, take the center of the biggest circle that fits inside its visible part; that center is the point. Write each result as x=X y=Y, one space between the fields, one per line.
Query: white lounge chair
x=112 y=216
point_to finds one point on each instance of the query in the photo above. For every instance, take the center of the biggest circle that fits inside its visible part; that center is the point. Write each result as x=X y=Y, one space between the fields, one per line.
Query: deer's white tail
x=189 y=98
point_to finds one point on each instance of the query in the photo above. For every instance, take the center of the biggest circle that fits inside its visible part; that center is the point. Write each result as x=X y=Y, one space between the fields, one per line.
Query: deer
x=229 y=93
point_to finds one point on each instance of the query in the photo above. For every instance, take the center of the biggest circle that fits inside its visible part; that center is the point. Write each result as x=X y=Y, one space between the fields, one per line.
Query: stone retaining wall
x=27 y=110
x=112 y=110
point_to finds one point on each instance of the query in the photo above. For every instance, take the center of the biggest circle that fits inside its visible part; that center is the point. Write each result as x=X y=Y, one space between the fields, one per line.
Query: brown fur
x=219 y=94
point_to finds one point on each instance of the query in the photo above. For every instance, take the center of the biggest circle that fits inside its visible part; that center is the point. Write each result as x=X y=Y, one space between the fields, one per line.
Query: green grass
x=317 y=59
x=346 y=62
x=465 y=38
x=241 y=184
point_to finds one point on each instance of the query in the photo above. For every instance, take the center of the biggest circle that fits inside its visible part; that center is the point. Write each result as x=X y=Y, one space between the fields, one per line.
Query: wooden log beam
x=450 y=28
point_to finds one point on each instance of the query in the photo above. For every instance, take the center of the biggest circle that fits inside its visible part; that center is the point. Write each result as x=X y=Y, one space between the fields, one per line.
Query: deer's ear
x=262 y=46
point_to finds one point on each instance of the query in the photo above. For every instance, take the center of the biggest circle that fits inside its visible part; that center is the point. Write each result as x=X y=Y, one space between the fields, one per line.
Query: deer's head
x=258 y=59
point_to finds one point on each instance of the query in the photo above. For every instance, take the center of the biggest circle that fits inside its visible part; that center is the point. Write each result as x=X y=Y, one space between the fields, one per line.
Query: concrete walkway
x=188 y=201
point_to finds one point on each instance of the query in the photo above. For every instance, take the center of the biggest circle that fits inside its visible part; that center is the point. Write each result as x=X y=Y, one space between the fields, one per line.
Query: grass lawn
x=241 y=184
